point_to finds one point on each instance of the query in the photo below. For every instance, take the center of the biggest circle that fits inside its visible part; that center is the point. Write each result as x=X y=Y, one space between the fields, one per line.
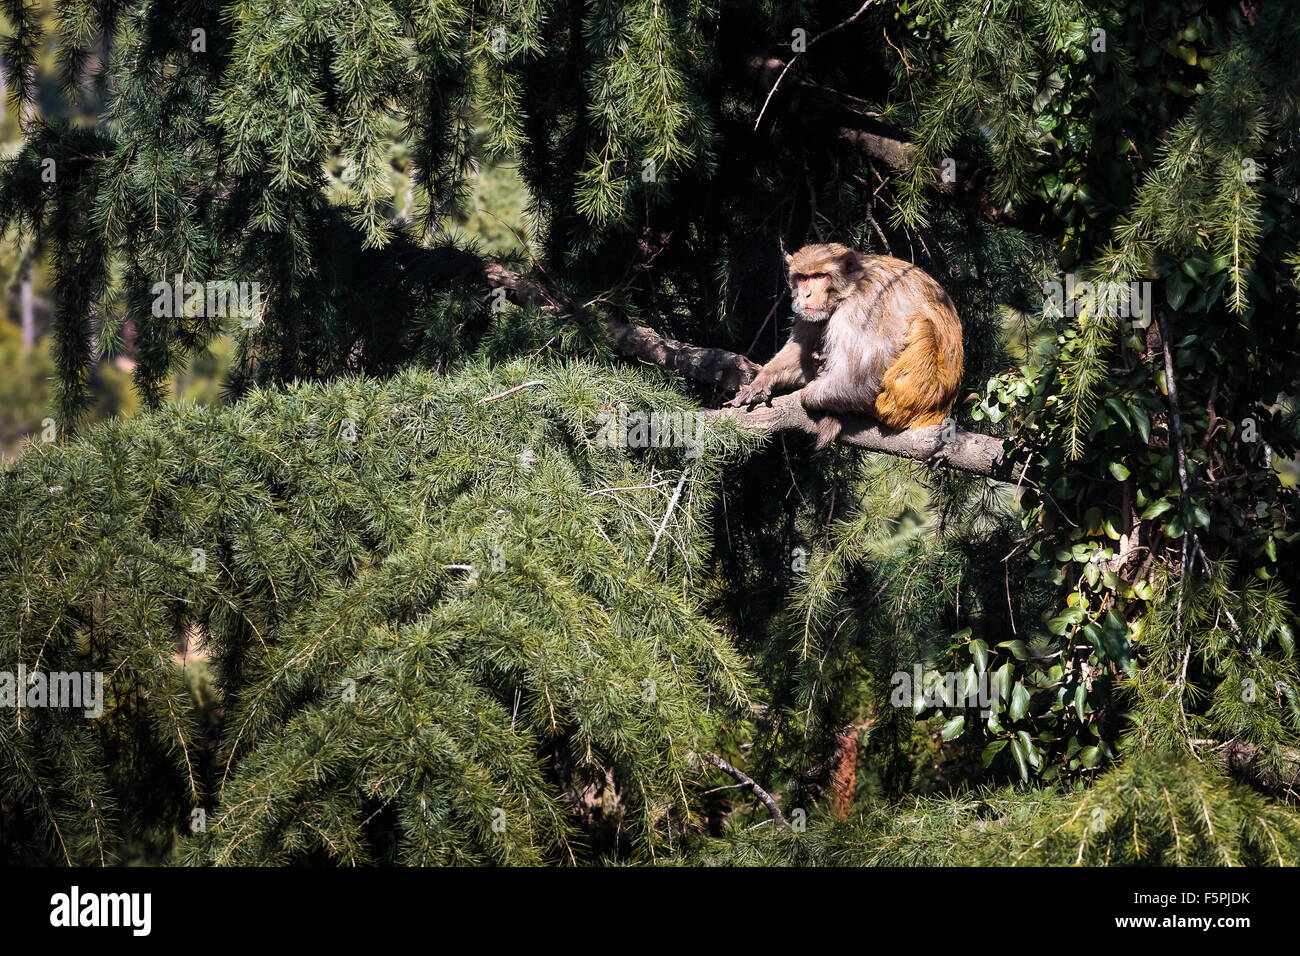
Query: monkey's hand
x=756 y=392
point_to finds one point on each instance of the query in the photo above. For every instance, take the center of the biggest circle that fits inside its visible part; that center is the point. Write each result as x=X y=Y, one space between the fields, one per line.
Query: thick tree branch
x=965 y=451
x=711 y=366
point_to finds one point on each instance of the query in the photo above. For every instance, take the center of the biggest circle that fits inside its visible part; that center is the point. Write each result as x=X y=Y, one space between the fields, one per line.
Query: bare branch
x=664 y=524
x=838 y=26
x=966 y=451
x=744 y=778
x=510 y=391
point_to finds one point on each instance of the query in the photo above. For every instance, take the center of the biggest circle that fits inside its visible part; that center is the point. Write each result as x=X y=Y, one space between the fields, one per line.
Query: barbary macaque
x=873 y=335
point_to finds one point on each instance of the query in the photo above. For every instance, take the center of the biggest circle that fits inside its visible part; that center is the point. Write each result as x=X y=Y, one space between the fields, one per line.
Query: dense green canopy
x=399 y=599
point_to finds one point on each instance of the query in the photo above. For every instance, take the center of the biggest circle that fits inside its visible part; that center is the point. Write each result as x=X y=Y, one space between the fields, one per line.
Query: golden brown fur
x=873 y=335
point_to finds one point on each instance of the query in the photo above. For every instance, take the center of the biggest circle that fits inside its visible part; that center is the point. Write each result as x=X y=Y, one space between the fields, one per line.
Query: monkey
x=873 y=335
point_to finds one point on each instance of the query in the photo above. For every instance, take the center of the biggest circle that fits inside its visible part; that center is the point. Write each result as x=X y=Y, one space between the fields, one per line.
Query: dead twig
x=764 y=797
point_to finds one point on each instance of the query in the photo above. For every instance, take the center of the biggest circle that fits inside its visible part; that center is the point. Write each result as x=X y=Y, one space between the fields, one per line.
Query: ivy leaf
x=1122 y=413
x=1019 y=701
x=1143 y=423
x=1156 y=508
x=1176 y=289
x=991 y=751
x=1031 y=752
x=1002 y=681
x=954 y=727
x=1286 y=637
x=1022 y=763
x=1017 y=649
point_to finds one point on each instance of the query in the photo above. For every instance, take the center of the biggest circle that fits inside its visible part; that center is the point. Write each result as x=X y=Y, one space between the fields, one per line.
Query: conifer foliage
x=427 y=619
x=402 y=598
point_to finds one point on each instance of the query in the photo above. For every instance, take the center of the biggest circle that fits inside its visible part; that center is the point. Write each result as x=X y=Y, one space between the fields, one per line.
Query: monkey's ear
x=788 y=259
x=850 y=264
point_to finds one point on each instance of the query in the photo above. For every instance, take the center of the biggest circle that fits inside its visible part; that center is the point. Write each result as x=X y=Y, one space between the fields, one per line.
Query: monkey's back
x=920 y=387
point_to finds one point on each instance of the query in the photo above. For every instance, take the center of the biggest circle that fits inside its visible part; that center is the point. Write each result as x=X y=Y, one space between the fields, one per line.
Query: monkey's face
x=819 y=277
x=813 y=296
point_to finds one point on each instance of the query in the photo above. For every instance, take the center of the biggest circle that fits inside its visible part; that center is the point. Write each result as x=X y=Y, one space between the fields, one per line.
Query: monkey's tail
x=828 y=429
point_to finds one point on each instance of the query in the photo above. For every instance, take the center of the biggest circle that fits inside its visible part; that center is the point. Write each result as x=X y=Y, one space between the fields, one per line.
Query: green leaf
x=991 y=751
x=1018 y=751
x=969 y=683
x=1031 y=752
x=1060 y=624
x=1002 y=681
x=1286 y=636
x=1090 y=756
x=1017 y=649
x=979 y=652
x=954 y=727
x=1143 y=423
x=1156 y=508
x=1176 y=289
x=1120 y=411
x=1019 y=701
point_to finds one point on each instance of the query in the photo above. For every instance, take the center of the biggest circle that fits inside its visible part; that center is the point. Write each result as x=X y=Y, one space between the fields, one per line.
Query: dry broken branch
x=764 y=797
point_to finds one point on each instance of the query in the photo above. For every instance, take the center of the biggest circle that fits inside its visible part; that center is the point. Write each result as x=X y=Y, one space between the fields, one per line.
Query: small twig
x=839 y=26
x=1176 y=436
x=509 y=391
x=770 y=312
x=664 y=524
x=744 y=778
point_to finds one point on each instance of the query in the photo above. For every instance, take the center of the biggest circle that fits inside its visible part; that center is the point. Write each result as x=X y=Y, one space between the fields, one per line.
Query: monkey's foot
x=828 y=429
x=938 y=458
x=752 y=394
